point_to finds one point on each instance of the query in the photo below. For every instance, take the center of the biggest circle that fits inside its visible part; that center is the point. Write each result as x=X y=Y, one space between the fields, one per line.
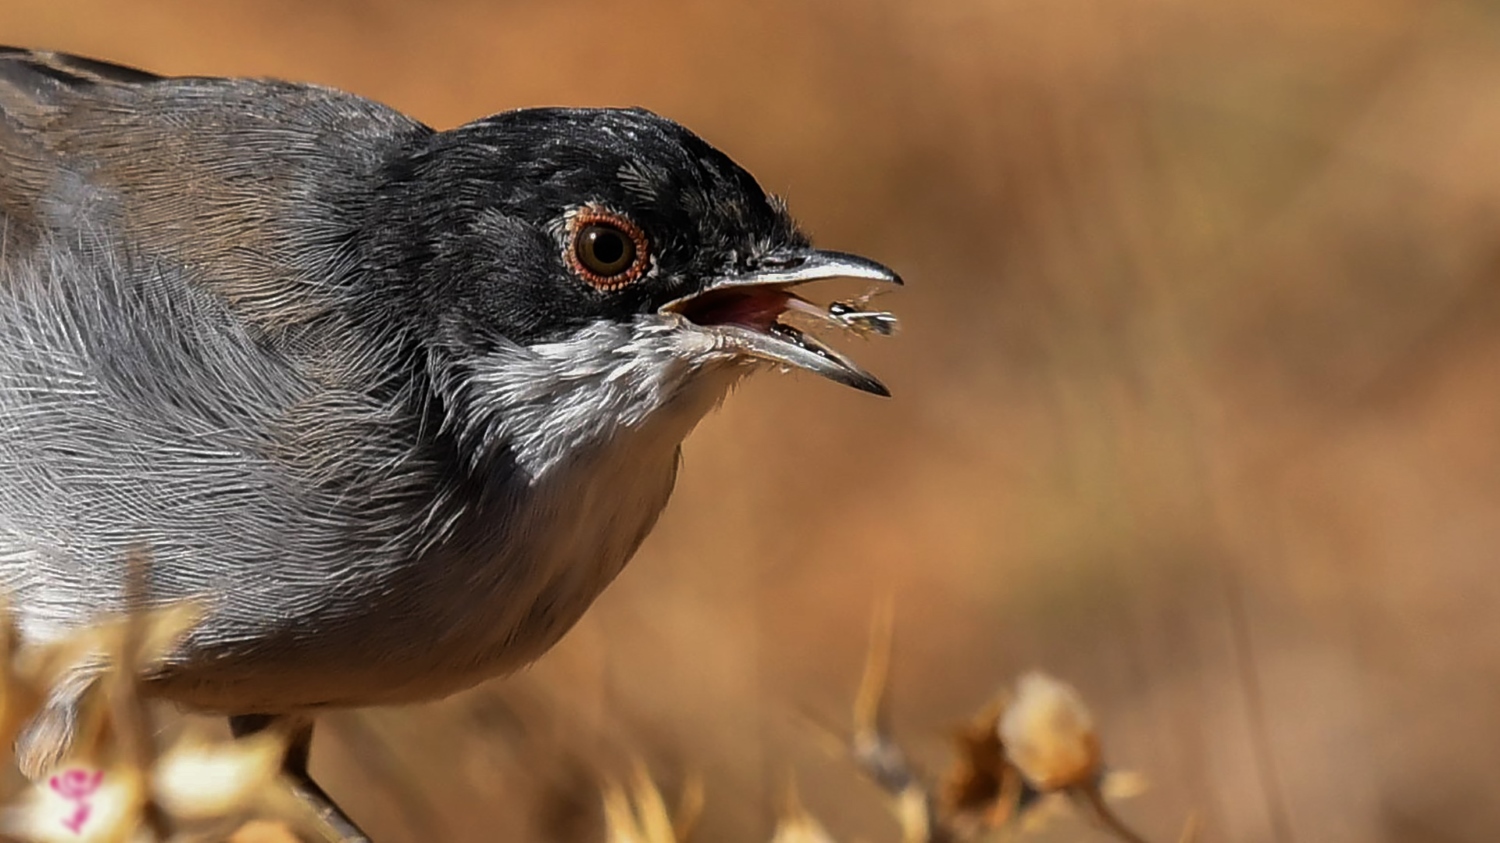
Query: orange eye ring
x=605 y=249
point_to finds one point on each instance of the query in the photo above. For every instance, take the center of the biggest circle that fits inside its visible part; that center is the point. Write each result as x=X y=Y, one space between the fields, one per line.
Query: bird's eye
x=607 y=251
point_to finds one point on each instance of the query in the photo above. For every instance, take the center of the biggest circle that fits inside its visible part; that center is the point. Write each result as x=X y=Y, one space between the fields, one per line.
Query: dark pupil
x=609 y=246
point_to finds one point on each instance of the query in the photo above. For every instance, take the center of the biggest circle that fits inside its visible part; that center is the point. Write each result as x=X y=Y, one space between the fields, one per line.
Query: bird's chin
x=746 y=313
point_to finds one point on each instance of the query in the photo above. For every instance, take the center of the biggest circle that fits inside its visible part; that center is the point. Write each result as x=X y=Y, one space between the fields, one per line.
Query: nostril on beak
x=783 y=263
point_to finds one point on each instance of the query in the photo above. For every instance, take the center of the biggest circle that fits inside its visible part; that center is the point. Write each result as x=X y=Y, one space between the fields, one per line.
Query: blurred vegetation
x=128 y=777
x=1195 y=403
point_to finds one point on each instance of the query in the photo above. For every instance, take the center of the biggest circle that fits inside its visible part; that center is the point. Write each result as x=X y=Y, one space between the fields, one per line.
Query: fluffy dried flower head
x=1049 y=735
x=201 y=781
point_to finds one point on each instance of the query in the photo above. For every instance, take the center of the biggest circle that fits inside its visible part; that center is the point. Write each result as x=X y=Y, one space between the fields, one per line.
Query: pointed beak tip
x=856 y=266
x=857 y=378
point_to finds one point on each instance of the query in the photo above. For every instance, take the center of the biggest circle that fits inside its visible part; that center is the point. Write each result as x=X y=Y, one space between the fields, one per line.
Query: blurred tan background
x=1196 y=405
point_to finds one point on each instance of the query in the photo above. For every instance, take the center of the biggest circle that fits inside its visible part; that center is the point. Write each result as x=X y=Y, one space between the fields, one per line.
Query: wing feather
x=254 y=188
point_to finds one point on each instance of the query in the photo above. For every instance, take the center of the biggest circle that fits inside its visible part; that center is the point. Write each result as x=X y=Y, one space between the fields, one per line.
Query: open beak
x=744 y=311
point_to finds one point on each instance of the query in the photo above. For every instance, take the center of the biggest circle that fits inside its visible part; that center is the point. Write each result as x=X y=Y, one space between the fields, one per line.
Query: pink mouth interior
x=756 y=307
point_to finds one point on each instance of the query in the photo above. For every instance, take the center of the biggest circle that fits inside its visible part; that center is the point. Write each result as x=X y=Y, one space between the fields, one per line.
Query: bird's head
x=558 y=248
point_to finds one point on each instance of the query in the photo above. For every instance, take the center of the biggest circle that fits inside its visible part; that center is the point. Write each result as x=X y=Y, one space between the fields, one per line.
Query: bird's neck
x=569 y=454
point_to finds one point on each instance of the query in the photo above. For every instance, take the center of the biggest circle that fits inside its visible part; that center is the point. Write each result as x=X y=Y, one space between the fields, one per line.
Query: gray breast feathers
x=135 y=408
x=341 y=560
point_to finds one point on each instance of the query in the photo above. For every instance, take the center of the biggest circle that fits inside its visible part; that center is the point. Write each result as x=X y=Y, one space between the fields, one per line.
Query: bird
x=394 y=405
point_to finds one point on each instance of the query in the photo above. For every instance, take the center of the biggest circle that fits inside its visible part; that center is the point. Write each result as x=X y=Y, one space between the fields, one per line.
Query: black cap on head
x=494 y=211
x=529 y=226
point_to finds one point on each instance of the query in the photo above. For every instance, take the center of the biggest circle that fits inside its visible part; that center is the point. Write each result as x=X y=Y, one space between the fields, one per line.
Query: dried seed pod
x=200 y=781
x=1049 y=735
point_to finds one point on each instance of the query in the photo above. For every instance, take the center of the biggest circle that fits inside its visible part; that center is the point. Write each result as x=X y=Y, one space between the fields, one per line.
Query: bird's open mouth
x=751 y=311
x=757 y=307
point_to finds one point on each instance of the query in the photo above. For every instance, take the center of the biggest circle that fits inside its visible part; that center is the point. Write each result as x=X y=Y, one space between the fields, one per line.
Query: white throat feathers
x=551 y=401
